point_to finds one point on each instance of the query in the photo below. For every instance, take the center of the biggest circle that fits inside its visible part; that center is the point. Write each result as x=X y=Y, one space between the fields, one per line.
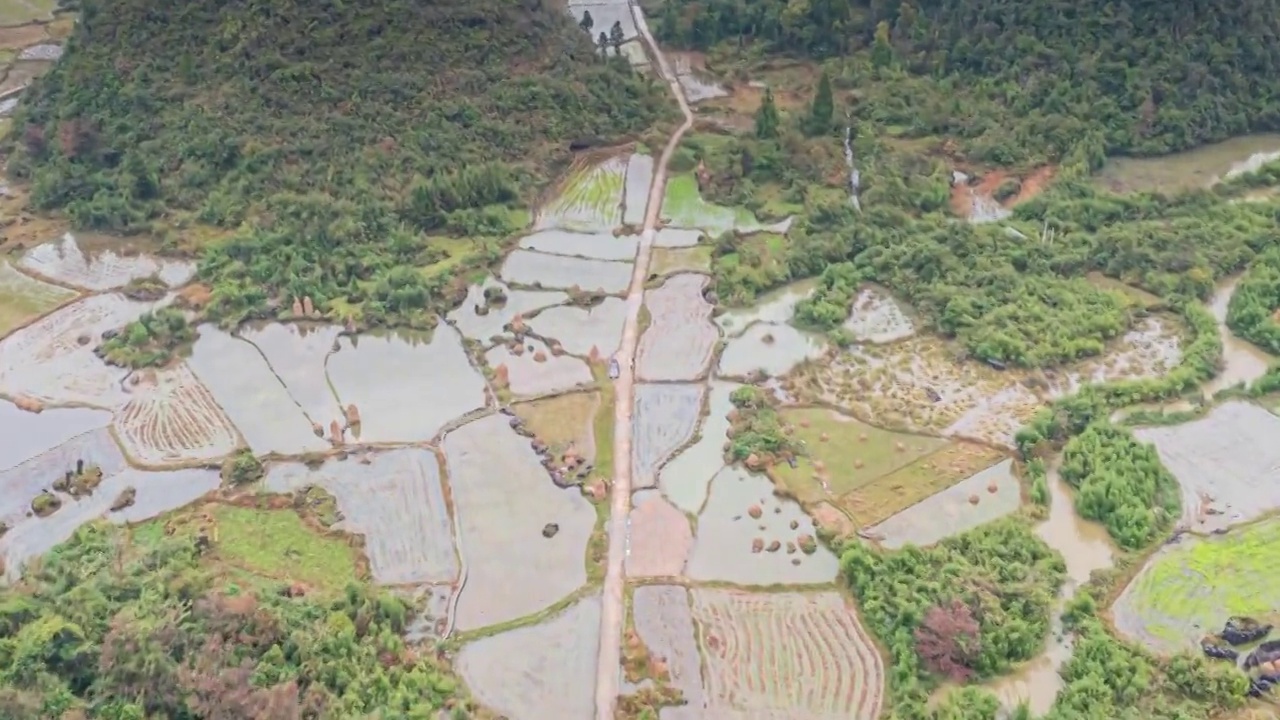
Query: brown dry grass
x=909 y=485
x=16 y=38
x=666 y=261
x=563 y=420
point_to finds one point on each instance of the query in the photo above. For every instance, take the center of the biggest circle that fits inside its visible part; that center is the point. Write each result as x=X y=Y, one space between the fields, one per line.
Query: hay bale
x=973 y=499
x=755 y=511
x=540 y=356
x=757 y=545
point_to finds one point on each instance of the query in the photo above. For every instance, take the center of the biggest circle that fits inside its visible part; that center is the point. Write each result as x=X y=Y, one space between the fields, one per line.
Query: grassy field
x=853 y=455
x=684 y=206
x=265 y=543
x=901 y=489
x=671 y=260
x=563 y=420
x=1190 y=589
x=19 y=12
x=22 y=298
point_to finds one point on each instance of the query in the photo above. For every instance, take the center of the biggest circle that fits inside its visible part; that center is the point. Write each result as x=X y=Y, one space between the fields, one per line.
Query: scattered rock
x=807 y=544
x=124 y=499
x=550 y=529
x=1241 y=630
x=768 y=339
x=83 y=339
x=795 y=524
x=791 y=548
x=773 y=546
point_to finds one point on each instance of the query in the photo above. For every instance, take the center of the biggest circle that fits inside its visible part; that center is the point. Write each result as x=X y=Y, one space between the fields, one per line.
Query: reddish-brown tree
x=947 y=640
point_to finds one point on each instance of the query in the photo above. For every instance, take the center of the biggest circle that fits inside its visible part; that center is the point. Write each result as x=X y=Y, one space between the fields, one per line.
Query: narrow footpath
x=609 y=662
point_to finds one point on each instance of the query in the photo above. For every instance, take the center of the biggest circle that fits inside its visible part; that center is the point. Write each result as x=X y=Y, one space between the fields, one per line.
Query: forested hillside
x=1023 y=81
x=332 y=136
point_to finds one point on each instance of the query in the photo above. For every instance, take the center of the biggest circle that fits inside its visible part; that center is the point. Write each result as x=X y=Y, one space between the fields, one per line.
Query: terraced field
x=64 y=261
x=171 y=417
x=23 y=298
x=800 y=656
x=591 y=199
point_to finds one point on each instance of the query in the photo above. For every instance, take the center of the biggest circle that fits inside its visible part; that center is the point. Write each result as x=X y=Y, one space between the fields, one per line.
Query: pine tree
x=616 y=36
x=767 y=120
x=882 y=51
x=587 y=22
x=603 y=42
x=823 y=108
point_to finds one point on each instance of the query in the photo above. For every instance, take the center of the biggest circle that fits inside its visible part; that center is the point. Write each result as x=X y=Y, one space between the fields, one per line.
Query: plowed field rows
x=173 y=417
x=591 y=200
x=786 y=655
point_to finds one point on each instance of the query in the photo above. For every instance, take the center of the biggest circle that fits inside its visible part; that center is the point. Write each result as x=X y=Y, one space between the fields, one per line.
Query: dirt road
x=609 y=663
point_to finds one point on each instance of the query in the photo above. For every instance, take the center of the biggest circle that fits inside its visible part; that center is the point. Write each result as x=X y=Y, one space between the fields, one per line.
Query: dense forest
x=1023 y=82
x=111 y=627
x=1252 y=313
x=342 y=132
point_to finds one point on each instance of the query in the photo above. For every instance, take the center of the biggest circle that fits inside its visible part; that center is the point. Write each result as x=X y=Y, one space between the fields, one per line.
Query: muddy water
x=297 y=355
x=1241 y=361
x=778 y=306
x=724 y=544
x=685 y=478
x=1085 y=546
x=581 y=329
x=1192 y=169
x=773 y=348
x=29 y=434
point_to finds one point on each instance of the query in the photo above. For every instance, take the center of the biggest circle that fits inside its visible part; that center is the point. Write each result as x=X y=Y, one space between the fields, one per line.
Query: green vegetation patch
x=23 y=299
x=749 y=266
x=666 y=261
x=968 y=607
x=1190 y=589
x=273 y=543
x=1122 y=484
x=339 y=134
x=844 y=453
x=118 y=625
x=684 y=207
x=152 y=340
x=1255 y=306
x=20 y=12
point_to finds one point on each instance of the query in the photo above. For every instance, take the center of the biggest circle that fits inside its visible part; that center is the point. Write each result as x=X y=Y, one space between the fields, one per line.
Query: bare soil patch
x=659 y=537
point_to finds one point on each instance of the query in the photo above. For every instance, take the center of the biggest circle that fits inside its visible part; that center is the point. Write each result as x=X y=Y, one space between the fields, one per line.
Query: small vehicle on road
x=614 y=369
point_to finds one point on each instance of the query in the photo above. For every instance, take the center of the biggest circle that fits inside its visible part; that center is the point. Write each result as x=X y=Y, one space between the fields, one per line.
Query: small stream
x=1085 y=546
x=1241 y=360
x=855 y=178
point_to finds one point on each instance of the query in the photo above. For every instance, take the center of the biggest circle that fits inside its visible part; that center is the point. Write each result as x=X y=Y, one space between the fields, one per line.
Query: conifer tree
x=767 y=117
x=823 y=108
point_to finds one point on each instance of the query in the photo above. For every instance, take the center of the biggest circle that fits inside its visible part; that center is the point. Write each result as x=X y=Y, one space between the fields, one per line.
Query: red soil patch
x=660 y=539
x=962 y=196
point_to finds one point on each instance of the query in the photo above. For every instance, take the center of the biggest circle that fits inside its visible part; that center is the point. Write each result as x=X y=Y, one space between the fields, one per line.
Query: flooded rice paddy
x=669 y=261
x=29 y=434
x=251 y=395
x=665 y=417
x=396 y=500
x=580 y=330
x=1192 y=169
x=773 y=349
x=636 y=190
x=297 y=355
x=597 y=246
x=1189 y=588
x=1228 y=464
x=799 y=656
x=658 y=537
x=435 y=384
x=745 y=535
x=681 y=337
x=541 y=270
x=531 y=369
x=590 y=200
x=776 y=307
x=954 y=510
x=668 y=237
x=538 y=671
x=90 y=268
x=479 y=319
x=52 y=359
x=686 y=477
x=171 y=418
x=96 y=455
x=23 y=298
x=503 y=499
